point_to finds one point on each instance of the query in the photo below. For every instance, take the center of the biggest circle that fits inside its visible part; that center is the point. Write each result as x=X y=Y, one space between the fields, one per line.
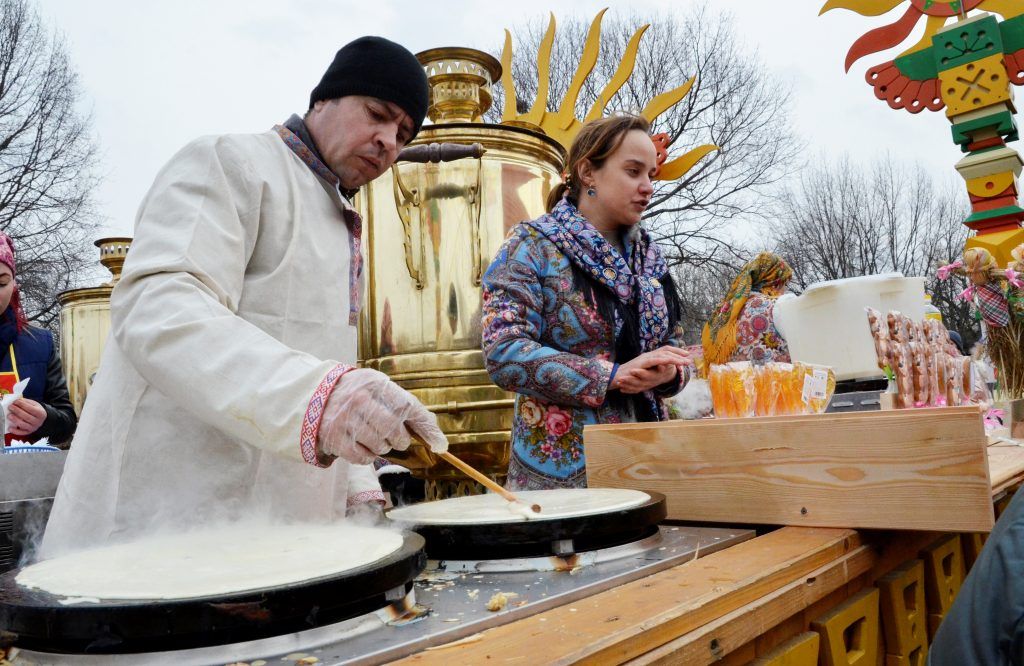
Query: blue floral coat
x=545 y=341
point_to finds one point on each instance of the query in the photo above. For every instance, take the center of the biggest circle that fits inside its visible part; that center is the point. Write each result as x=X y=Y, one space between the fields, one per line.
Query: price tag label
x=819 y=385
x=815 y=386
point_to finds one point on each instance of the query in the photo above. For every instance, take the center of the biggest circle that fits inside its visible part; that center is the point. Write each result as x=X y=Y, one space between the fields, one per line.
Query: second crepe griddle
x=542 y=537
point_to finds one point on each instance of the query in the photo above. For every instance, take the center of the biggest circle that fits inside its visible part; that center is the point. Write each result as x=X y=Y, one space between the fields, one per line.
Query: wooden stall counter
x=762 y=601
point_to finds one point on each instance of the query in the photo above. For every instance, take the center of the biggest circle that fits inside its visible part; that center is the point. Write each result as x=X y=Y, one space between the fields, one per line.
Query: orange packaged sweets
x=794 y=388
x=732 y=388
x=789 y=384
x=818 y=383
x=774 y=393
x=766 y=390
x=772 y=389
x=717 y=387
x=742 y=386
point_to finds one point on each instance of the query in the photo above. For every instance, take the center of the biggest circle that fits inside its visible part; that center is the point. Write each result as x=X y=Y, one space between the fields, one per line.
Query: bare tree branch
x=47 y=161
x=842 y=221
x=734 y=103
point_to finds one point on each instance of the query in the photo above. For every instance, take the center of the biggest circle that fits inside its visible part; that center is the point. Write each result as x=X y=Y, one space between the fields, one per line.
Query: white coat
x=232 y=309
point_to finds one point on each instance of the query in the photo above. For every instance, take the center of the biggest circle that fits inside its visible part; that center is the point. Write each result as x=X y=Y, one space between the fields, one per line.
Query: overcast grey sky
x=157 y=74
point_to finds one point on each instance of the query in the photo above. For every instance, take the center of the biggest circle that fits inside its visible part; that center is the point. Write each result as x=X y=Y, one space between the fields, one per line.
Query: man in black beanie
x=229 y=380
x=369 y=104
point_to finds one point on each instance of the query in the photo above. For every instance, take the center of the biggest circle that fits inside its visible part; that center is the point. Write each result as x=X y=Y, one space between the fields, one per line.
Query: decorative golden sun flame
x=563 y=125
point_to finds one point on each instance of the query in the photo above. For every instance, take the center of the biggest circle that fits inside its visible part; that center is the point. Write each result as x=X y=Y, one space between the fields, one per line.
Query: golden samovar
x=432 y=230
x=435 y=224
x=85 y=322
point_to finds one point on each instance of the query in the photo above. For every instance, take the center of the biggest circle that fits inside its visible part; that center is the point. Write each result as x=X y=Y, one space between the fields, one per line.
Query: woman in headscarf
x=742 y=326
x=28 y=352
x=580 y=315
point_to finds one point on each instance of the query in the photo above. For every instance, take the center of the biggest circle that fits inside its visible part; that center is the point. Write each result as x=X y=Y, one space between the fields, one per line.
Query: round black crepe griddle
x=543 y=537
x=39 y=621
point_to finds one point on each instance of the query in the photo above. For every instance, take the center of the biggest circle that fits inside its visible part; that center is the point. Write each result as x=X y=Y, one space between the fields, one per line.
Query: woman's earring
x=591 y=192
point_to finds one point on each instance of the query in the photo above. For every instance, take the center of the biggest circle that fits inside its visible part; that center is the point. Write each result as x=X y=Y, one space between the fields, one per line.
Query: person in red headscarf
x=28 y=352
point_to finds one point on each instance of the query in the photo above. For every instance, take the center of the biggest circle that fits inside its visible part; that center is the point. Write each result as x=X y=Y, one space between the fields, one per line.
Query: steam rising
x=273 y=502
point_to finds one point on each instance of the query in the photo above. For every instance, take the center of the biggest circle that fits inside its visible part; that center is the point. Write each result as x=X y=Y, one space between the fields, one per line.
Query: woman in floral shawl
x=580 y=315
x=742 y=327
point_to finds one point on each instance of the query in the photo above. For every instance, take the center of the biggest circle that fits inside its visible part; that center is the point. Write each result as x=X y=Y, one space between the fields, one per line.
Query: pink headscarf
x=7 y=257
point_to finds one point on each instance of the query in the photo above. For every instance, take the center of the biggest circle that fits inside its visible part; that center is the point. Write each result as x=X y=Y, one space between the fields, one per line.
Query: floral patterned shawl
x=639 y=276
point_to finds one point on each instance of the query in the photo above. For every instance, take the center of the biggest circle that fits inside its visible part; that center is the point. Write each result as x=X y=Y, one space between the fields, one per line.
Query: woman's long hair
x=595 y=143
x=17 y=311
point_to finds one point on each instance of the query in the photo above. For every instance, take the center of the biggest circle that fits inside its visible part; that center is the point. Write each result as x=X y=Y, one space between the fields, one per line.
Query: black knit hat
x=377 y=67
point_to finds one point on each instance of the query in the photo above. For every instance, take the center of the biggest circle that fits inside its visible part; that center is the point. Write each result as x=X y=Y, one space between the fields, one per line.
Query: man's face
x=359 y=137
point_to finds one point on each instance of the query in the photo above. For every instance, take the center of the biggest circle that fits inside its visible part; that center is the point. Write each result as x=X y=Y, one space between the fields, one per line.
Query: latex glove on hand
x=367 y=415
x=650 y=370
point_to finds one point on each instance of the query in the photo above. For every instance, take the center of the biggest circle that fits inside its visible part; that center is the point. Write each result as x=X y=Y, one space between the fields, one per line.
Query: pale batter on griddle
x=492 y=508
x=212 y=562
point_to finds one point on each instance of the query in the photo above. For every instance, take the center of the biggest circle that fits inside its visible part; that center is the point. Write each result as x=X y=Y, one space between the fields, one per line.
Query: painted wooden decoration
x=910 y=81
x=967 y=62
x=974 y=86
x=967 y=65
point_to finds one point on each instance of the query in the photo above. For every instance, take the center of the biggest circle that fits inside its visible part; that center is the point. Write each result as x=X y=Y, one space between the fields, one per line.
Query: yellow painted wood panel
x=800 y=651
x=975 y=85
x=849 y=632
x=903 y=610
x=943 y=576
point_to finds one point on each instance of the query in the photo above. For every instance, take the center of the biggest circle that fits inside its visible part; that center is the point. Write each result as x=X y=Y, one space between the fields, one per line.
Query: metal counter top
x=455 y=596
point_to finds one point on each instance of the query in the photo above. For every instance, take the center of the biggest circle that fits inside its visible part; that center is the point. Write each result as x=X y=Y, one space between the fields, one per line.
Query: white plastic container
x=827 y=324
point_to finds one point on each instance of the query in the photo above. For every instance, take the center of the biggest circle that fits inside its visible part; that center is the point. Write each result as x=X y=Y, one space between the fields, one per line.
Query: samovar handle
x=406 y=199
x=440 y=152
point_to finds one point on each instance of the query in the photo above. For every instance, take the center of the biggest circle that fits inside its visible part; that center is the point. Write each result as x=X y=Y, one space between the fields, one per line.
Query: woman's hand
x=24 y=417
x=649 y=370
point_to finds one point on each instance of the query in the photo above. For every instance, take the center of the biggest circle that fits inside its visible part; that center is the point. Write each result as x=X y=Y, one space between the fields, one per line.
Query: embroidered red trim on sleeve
x=364 y=497
x=315 y=412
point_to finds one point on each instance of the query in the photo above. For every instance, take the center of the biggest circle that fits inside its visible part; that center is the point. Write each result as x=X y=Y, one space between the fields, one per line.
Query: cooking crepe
x=212 y=562
x=492 y=508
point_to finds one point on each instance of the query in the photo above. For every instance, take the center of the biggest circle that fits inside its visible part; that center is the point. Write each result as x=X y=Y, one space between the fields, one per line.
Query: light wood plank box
x=921 y=469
